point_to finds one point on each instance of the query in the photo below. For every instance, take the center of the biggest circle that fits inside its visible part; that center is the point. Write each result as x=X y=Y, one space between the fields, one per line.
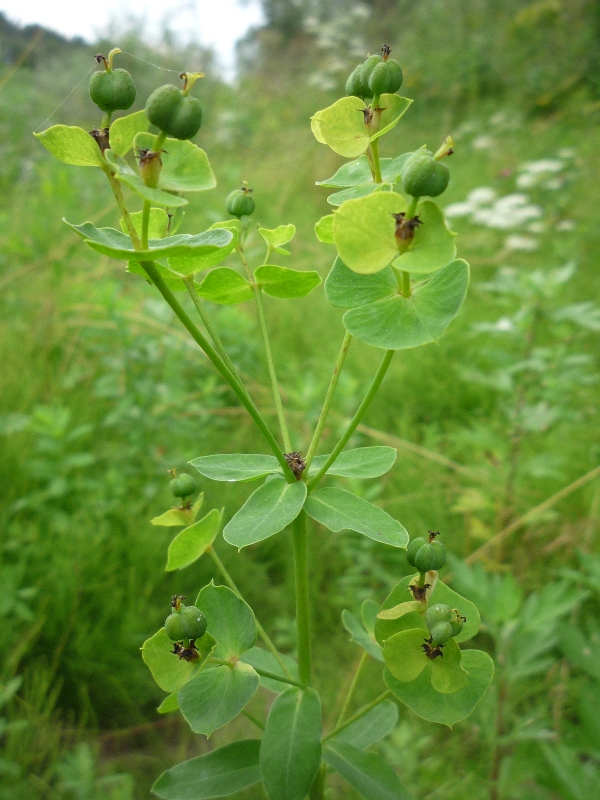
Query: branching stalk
x=302 y=597
x=364 y=710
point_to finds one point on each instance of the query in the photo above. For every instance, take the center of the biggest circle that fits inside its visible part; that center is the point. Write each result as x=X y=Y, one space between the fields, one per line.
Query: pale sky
x=216 y=23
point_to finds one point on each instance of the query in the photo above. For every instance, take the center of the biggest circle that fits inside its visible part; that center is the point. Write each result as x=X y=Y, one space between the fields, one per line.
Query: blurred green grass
x=101 y=394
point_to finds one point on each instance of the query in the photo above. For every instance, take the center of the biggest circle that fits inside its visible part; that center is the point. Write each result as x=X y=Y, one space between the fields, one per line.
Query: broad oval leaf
x=354 y=173
x=368 y=773
x=193 y=263
x=444 y=594
x=193 y=542
x=174 y=282
x=216 y=696
x=169 y=704
x=359 y=635
x=226 y=287
x=185 y=166
x=324 y=229
x=362 y=462
x=71 y=145
x=338 y=198
x=124 y=130
x=263 y=659
x=174 y=517
x=236 y=466
x=123 y=172
x=278 y=236
x=447 y=709
x=283 y=282
x=394 y=108
x=339 y=509
x=400 y=323
x=371 y=727
x=229 y=619
x=169 y=672
x=215 y=774
x=385 y=628
x=115 y=244
x=290 y=752
x=405 y=658
x=269 y=510
x=157 y=223
x=345 y=288
x=433 y=246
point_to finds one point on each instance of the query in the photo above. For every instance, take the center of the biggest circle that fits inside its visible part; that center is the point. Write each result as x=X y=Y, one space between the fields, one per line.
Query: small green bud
x=240 y=203
x=431 y=555
x=367 y=68
x=174 y=627
x=413 y=548
x=423 y=175
x=183 y=485
x=112 y=90
x=174 y=112
x=354 y=85
x=441 y=632
x=436 y=614
x=193 y=621
x=385 y=77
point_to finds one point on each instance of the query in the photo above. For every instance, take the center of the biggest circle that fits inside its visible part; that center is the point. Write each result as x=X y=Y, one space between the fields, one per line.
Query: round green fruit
x=174 y=627
x=424 y=176
x=367 y=68
x=112 y=91
x=354 y=85
x=413 y=548
x=183 y=485
x=441 y=632
x=174 y=112
x=240 y=203
x=385 y=77
x=431 y=555
x=193 y=621
x=436 y=614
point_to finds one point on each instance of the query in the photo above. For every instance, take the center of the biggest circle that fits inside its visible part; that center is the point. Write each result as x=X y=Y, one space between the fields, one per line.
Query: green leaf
x=193 y=542
x=263 y=659
x=342 y=126
x=218 y=773
x=354 y=173
x=123 y=172
x=174 y=282
x=226 y=287
x=338 y=198
x=360 y=636
x=216 y=696
x=283 y=282
x=157 y=223
x=362 y=462
x=364 y=231
x=401 y=609
x=269 y=510
x=372 y=727
x=229 y=619
x=339 y=509
x=278 y=236
x=405 y=658
x=124 y=130
x=447 y=673
x=345 y=288
x=368 y=613
x=169 y=704
x=192 y=264
x=290 y=752
x=369 y=774
x=71 y=145
x=446 y=709
x=174 y=517
x=433 y=246
x=400 y=323
x=185 y=166
x=169 y=672
x=115 y=244
x=324 y=229
x=236 y=466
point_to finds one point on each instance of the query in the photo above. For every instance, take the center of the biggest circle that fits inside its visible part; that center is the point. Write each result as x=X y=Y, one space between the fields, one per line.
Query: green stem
x=355 y=421
x=376 y=164
x=353 y=685
x=271 y=365
x=317 y=790
x=302 y=597
x=364 y=710
x=106 y=119
x=412 y=208
x=158 y=144
x=261 y=631
x=406 y=287
x=217 y=361
x=265 y=673
x=328 y=400
x=118 y=193
x=145 y=224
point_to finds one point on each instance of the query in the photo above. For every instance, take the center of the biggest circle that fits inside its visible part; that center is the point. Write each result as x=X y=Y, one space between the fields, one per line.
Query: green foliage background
x=101 y=393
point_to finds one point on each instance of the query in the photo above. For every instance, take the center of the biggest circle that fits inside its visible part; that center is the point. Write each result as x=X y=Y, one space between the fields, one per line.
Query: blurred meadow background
x=497 y=426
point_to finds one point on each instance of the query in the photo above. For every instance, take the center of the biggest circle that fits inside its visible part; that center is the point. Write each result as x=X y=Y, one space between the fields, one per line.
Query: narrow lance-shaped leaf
x=373 y=726
x=265 y=660
x=236 y=466
x=362 y=462
x=369 y=774
x=359 y=635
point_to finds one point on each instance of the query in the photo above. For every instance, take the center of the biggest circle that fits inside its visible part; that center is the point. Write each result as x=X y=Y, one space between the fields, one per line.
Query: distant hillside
x=32 y=44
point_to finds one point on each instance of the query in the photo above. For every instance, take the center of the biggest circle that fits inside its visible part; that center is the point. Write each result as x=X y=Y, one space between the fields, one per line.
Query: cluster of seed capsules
x=184 y=626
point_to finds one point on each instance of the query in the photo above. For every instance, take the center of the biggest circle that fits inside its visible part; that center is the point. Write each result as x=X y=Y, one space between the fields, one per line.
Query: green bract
x=174 y=112
x=112 y=91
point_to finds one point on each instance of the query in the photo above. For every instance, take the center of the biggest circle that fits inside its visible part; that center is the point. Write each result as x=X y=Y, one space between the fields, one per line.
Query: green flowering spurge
x=396 y=275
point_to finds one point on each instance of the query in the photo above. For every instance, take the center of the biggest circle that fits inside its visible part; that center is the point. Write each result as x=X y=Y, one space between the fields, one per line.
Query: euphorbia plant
x=397 y=278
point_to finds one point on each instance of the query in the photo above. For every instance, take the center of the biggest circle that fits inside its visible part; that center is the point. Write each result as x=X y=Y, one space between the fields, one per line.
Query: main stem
x=355 y=421
x=328 y=399
x=376 y=165
x=302 y=597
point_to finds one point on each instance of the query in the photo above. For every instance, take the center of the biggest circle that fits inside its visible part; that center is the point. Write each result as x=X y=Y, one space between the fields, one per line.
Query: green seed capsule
x=424 y=176
x=174 y=112
x=183 y=485
x=240 y=203
x=441 y=632
x=367 y=68
x=385 y=77
x=413 y=548
x=436 y=614
x=431 y=555
x=112 y=91
x=354 y=85
x=174 y=627
x=457 y=622
x=193 y=621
